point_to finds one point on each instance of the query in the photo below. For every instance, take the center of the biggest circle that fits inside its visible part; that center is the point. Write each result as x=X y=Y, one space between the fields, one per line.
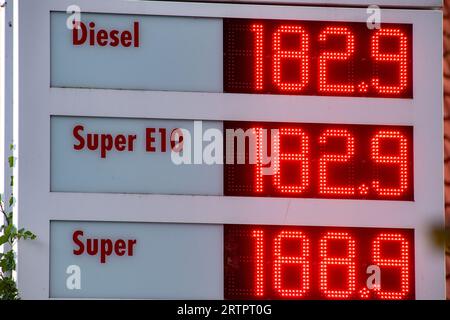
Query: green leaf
x=22 y=234
x=10 y=234
x=8 y=230
x=13 y=232
x=3 y=239
x=11 y=161
x=8 y=263
x=29 y=235
x=9 y=219
x=12 y=201
x=8 y=289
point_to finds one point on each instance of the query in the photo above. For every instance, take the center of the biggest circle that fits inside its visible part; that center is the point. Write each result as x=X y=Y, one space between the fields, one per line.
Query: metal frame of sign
x=37 y=102
x=360 y=3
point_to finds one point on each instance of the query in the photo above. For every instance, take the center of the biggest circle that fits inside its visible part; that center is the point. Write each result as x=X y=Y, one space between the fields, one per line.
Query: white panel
x=134 y=169
x=172 y=53
x=136 y=260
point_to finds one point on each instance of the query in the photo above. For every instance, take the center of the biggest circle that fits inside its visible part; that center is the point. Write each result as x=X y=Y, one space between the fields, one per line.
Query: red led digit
x=324 y=84
x=401 y=160
x=301 y=54
x=302 y=157
x=258 y=235
x=259 y=187
x=326 y=262
x=401 y=263
x=401 y=58
x=258 y=30
x=324 y=188
x=302 y=261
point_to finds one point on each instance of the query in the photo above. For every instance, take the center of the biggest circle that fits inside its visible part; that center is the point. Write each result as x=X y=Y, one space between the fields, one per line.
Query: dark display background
x=240 y=262
x=358 y=172
x=358 y=70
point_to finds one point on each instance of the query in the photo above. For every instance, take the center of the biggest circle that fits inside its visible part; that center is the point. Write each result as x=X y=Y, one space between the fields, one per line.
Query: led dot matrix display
x=317 y=58
x=290 y=262
x=320 y=161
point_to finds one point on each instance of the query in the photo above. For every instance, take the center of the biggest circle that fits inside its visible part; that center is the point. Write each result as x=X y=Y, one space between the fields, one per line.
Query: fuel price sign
x=229 y=151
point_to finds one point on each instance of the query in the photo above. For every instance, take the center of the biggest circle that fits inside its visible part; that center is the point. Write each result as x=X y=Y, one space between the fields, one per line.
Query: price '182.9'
x=317 y=58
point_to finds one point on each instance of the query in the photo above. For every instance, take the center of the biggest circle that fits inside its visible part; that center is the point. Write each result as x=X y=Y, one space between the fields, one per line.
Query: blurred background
x=447 y=126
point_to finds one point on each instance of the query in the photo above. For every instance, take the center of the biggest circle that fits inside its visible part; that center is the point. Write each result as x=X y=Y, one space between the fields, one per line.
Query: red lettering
x=136 y=34
x=92 y=33
x=125 y=38
x=131 y=139
x=106 y=144
x=120 y=247
x=92 y=247
x=92 y=141
x=120 y=142
x=77 y=136
x=114 y=38
x=102 y=37
x=176 y=140
x=162 y=133
x=131 y=244
x=106 y=248
x=102 y=247
x=77 y=242
x=76 y=39
x=150 y=139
